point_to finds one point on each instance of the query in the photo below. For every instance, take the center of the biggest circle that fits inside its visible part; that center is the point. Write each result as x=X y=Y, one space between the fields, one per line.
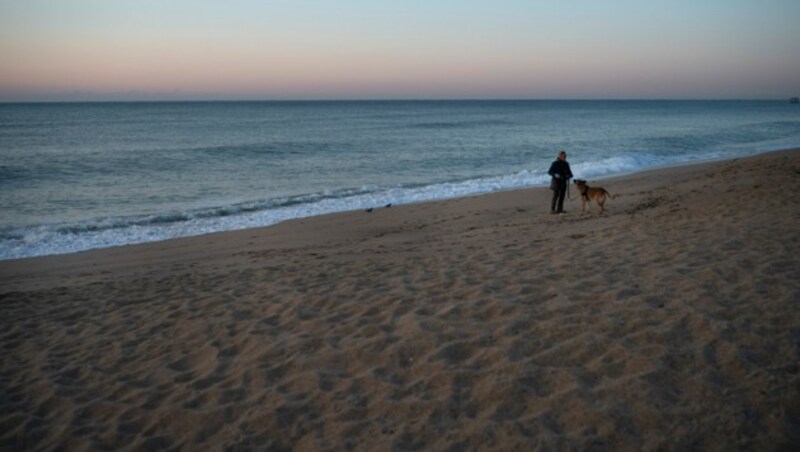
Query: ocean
x=79 y=176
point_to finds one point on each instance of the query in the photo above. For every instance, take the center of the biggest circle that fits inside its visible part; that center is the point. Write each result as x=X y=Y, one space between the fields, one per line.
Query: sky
x=85 y=50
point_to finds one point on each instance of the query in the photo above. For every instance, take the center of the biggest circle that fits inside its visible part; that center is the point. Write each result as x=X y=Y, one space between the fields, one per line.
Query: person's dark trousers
x=559 y=193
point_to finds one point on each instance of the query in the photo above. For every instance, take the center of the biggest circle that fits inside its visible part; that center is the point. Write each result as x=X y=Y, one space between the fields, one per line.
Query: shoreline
x=670 y=321
x=479 y=194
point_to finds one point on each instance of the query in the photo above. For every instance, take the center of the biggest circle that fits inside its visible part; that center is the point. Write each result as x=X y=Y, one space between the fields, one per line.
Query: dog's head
x=579 y=182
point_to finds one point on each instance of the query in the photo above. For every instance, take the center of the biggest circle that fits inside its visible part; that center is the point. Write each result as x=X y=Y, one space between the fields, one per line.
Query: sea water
x=78 y=176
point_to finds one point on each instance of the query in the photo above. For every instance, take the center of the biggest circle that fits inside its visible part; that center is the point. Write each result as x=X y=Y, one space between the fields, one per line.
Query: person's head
x=562 y=155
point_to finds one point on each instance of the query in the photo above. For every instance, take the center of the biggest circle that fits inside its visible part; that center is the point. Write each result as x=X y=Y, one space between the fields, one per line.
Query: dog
x=589 y=194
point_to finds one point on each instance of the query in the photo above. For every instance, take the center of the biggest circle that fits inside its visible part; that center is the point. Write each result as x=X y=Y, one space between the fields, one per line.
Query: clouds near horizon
x=152 y=50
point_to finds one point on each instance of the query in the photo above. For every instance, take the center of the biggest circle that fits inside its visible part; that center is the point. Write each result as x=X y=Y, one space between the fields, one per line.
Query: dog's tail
x=608 y=193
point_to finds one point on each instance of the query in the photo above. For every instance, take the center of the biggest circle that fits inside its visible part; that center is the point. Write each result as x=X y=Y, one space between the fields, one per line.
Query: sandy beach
x=483 y=323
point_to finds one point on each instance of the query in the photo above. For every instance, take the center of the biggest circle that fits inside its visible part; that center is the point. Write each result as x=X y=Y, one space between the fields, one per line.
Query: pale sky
x=349 y=49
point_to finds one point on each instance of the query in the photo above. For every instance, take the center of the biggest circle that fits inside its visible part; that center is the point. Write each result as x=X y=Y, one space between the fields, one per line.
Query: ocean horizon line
x=389 y=100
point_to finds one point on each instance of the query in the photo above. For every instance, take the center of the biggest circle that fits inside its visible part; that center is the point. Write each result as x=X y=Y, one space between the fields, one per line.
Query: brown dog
x=589 y=194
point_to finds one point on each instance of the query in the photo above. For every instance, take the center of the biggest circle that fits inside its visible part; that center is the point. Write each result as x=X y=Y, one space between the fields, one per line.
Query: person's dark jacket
x=560 y=167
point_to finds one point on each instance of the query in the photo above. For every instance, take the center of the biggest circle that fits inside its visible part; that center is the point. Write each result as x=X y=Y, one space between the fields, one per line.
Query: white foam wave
x=108 y=232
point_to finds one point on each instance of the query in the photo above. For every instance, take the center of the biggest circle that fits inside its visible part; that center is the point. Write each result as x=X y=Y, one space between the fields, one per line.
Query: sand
x=483 y=323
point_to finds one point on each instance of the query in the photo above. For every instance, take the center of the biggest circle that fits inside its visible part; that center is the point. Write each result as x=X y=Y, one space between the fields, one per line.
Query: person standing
x=561 y=174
